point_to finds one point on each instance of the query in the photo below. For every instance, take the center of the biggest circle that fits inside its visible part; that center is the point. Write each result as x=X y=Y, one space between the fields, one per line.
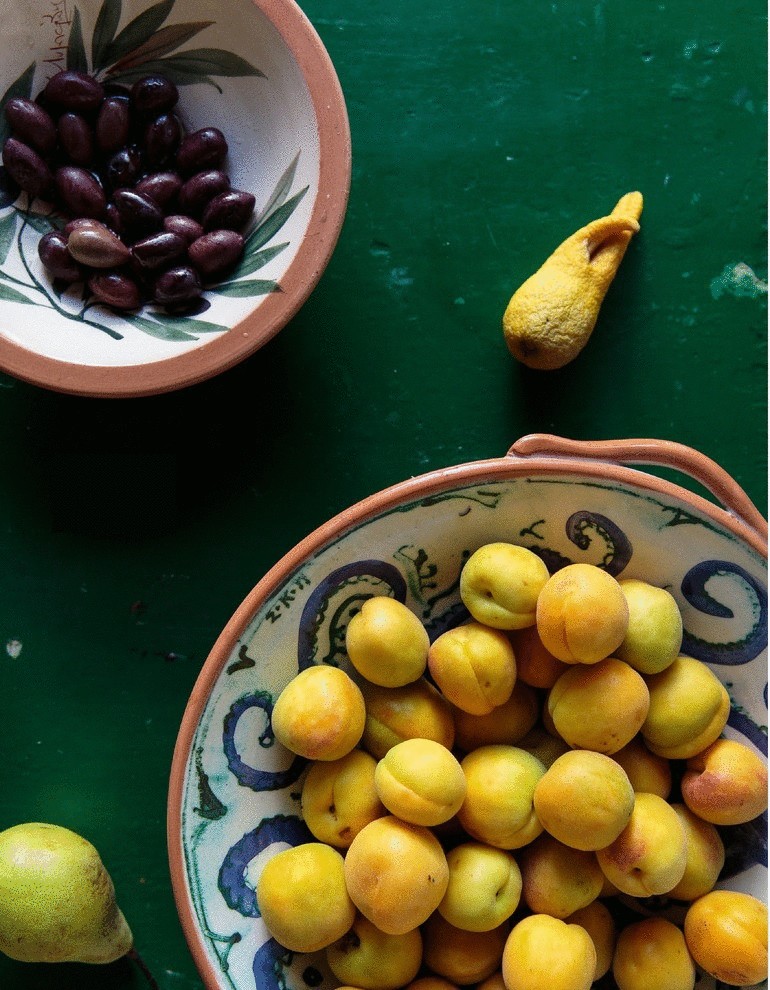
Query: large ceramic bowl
x=234 y=791
x=257 y=70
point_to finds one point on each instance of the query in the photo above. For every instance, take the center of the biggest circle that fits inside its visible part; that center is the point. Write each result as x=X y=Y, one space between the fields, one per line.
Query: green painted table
x=482 y=136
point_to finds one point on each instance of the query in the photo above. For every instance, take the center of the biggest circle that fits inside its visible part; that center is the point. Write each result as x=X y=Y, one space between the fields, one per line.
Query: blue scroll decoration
x=694 y=591
x=232 y=873
x=314 y=612
x=248 y=776
x=619 y=550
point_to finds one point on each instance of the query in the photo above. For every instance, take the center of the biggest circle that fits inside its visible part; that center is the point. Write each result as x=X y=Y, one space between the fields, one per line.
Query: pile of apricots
x=512 y=805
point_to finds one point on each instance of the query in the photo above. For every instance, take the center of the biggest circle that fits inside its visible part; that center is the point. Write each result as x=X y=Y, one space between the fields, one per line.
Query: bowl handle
x=662 y=453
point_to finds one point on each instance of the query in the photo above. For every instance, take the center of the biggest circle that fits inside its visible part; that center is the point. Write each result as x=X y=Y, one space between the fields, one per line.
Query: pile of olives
x=152 y=214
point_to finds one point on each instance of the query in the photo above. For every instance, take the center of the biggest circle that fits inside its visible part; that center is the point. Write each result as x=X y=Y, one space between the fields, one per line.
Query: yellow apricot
x=557 y=879
x=597 y=920
x=506 y=724
x=320 y=714
x=534 y=664
x=654 y=636
x=705 y=856
x=584 y=799
x=646 y=770
x=544 y=952
x=544 y=745
x=431 y=983
x=396 y=874
x=582 y=614
x=474 y=667
x=726 y=933
x=689 y=707
x=369 y=959
x=387 y=643
x=499 y=585
x=462 y=956
x=726 y=783
x=420 y=781
x=652 y=955
x=412 y=711
x=484 y=887
x=498 y=807
x=339 y=797
x=599 y=707
x=302 y=897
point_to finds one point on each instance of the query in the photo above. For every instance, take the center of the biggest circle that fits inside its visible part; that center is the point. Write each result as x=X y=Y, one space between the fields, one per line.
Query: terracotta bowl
x=234 y=791
x=257 y=70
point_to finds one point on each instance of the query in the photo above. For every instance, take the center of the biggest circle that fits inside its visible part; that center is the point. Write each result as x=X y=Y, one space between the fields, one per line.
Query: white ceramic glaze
x=255 y=69
x=234 y=795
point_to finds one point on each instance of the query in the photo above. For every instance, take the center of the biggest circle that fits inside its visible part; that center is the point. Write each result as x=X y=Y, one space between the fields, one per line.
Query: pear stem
x=134 y=955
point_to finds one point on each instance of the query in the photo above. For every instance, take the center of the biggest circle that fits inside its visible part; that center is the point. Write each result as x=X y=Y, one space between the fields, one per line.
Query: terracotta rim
x=256 y=329
x=534 y=455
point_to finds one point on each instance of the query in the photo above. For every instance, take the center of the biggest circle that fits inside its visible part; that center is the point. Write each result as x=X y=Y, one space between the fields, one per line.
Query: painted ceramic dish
x=255 y=69
x=234 y=793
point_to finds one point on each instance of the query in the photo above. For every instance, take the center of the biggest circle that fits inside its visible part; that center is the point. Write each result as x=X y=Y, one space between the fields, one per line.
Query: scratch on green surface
x=738 y=280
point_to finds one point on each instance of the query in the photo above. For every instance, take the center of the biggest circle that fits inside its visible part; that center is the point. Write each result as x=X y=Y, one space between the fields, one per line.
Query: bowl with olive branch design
x=234 y=791
x=254 y=69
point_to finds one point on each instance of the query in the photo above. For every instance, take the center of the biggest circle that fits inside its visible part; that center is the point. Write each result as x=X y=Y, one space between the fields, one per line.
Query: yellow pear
x=57 y=901
x=552 y=314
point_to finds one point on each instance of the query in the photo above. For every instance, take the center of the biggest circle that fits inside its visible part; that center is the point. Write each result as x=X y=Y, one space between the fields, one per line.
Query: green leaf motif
x=104 y=31
x=193 y=65
x=161 y=43
x=41 y=222
x=7 y=234
x=76 y=52
x=19 y=87
x=178 y=75
x=273 y=222
x=9 y=294
x=160 y=330
x=193 y=325
x=250 y=287
x=138 y=31
x=256 y=259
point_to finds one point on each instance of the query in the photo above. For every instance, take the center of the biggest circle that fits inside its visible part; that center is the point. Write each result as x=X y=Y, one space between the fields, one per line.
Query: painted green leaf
x=193 y=325
x=104 y=31
x=282 y=187
x=251 y=287
x=19 y=87
x=216 y=62
x=272 y=223
x=162 y=331
x=254 y=260
x=41 y=222
x=9 y=294
x=138 y=31
x=7 y=234
x=76 y=52
x=179 y=76
x=161 y=43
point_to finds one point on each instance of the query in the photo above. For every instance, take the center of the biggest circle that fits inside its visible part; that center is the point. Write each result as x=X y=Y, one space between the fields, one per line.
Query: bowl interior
x=259 y=73
x=234 y=798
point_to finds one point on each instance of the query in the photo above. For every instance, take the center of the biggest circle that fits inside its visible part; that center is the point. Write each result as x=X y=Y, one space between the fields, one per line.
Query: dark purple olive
x=56 y=259
x=31 y=124
x=186 y=227
x=230 y=210
x=177 y=285
x=154 y=94
x=112 y=219
x=201 y=150
x=76 y=138
x=161 y=139
x=71 y=90
x=80 y=192
x=138 y=214
x=113 y=124
x=115 y=289
x=216 y=252
x=198 y=191
x=26 y=167
x=158 y=250
x=161 y=187
x=124 y=168
x=95 y=245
